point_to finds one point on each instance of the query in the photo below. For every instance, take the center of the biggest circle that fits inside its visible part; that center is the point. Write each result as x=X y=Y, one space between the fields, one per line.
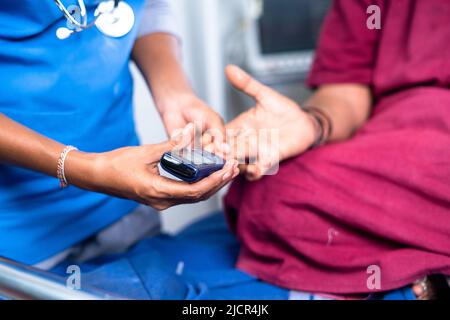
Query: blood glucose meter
x=191 y=165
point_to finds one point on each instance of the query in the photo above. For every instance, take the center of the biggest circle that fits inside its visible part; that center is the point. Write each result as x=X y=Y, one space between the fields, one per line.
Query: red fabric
x=381 y=198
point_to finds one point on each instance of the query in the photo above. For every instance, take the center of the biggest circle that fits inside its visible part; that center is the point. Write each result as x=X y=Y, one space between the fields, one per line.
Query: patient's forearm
x=347 y=105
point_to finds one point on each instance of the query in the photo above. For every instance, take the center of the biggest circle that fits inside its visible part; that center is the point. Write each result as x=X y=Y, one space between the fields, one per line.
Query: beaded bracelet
x=324 y=123
x=60 y=172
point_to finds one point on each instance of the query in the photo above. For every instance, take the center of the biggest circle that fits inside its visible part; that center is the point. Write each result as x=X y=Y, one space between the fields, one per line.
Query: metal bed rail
x=22 y=282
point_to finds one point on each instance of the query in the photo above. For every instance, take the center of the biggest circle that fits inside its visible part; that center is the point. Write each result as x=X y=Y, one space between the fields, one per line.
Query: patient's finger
x=252 y=172
x=244 y=146
x=241 y=80
x=214 y=140
x=256 y=171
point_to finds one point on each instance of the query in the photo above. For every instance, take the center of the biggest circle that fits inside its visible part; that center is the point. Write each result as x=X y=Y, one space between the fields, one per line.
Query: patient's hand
x=272 y=114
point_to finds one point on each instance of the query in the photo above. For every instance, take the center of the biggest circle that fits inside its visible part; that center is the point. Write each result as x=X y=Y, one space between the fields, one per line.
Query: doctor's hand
x=186 y=109
x=273 y=117
x=158 y=57
x=132 y=173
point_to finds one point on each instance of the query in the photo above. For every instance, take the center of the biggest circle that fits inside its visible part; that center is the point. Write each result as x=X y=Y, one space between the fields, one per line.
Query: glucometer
x=191 y=165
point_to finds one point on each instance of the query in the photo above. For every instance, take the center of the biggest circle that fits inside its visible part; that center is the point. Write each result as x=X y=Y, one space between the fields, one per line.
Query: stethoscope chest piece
x=114 y=21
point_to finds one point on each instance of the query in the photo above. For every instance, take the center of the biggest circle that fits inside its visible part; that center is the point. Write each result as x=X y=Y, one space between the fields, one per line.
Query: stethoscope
x=114 y=18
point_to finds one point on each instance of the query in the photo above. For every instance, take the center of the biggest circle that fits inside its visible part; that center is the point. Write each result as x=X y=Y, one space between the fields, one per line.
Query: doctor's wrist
x=82 y=169
x=175 y=100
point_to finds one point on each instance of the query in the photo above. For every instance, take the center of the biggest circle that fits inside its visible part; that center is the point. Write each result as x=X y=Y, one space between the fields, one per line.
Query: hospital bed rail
x=22 y=282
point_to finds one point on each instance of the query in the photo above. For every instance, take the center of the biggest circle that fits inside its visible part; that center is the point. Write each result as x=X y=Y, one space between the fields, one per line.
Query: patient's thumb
x=237 y=77
x=241 y=80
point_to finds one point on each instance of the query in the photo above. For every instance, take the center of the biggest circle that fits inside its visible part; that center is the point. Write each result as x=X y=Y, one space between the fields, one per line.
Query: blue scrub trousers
x=197 y=263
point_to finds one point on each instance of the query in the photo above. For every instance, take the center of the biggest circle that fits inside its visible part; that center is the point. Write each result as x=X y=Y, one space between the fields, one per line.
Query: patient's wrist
x=322 y=124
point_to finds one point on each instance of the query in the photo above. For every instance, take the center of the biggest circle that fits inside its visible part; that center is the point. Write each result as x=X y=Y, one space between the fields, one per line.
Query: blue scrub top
x=77 y=91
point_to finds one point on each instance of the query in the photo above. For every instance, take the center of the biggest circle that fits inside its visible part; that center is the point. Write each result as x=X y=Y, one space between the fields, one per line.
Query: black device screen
x=291 y=25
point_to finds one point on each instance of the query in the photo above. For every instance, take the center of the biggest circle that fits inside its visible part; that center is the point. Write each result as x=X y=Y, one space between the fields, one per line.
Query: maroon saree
x=381 y=198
